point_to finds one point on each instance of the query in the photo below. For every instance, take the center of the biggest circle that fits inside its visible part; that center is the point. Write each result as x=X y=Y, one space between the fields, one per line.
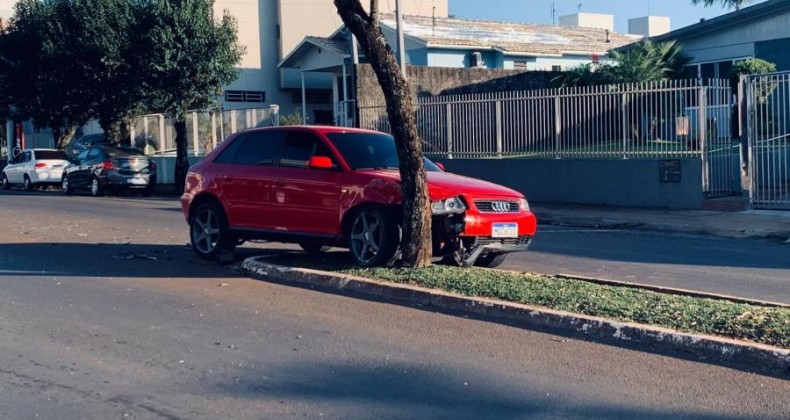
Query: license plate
x=504 y=230
x=138 y=181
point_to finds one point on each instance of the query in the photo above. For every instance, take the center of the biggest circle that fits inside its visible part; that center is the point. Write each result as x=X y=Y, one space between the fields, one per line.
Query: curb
x=753 y=357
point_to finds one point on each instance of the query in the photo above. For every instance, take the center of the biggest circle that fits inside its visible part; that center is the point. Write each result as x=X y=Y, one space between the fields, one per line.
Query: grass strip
x=758 y=324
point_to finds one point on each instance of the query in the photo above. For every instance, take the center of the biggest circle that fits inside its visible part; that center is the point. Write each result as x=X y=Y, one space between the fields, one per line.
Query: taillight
x=108 y=165
x=41 y=165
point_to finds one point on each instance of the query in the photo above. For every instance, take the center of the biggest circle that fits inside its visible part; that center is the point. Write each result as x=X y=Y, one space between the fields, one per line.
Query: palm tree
x=724 y=3
x=650 y=62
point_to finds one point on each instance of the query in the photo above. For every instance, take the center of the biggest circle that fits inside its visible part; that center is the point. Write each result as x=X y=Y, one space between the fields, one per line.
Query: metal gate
x=768 y=134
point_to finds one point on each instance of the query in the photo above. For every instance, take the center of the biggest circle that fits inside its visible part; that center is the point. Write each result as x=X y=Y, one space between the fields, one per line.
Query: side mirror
x=319 y=162
x=441 y=166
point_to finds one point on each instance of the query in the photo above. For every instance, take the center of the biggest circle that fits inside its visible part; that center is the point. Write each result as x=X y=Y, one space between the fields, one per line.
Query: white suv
x=34 y=167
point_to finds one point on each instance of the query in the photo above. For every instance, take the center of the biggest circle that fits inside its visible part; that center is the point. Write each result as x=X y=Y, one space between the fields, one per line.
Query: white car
x=35 y=167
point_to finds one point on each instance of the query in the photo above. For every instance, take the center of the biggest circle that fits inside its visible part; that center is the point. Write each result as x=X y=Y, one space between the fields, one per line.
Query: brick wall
x=432 y=81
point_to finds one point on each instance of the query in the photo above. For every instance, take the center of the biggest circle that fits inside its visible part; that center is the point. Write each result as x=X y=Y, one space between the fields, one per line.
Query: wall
x=776 y=51
x=623 y=182
x=431 y=81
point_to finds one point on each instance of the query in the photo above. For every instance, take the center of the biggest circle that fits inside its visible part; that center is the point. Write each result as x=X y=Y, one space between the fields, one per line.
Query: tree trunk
x=182 y=163
x=416 y=225
x=113 y=130
x=63 y=137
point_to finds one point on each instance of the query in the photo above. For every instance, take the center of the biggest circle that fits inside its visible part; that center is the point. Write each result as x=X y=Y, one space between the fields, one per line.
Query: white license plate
x=137 y=181
x=504 y=230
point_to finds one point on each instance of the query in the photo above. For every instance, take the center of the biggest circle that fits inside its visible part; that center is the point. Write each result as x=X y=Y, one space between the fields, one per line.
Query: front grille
x=496 y=206
x=521 y=240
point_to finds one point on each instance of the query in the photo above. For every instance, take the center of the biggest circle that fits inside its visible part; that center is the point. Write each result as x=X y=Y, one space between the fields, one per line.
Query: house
x=445 y=42
x=759 y=31
x=270 y=30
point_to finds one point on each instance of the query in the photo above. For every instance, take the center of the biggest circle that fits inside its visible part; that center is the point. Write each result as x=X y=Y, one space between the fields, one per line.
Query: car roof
x=323 y=129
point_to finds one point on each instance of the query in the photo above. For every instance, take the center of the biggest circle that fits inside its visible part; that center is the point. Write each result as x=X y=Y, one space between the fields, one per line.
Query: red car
x=332 y=186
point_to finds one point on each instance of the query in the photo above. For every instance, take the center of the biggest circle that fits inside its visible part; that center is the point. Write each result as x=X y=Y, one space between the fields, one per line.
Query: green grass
x=766 y=325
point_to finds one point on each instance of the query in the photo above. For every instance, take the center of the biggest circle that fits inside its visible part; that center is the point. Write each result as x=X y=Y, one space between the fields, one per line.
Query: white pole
x=304 y=102
x=401 y=45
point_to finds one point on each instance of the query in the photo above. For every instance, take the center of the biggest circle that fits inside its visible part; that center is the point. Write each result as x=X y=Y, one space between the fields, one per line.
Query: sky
x=681 y=12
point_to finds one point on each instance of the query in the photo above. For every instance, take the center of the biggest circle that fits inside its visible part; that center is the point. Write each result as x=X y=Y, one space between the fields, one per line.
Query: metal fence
x=662 y=120
x=768 y=134
x=155 y=133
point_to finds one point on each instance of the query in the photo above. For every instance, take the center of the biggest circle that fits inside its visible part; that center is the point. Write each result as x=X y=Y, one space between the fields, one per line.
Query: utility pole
x=401 y=44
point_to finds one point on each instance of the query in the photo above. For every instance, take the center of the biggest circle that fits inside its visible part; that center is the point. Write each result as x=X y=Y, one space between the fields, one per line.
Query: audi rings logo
x=500 y=206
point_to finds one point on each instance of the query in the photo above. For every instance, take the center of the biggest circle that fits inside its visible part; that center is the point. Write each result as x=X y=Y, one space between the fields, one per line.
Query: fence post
x=213 y=130
x=624 y=113
x=557 y=126
x=275 y=114
x=195 y=134
x=449 y=132
x=499 y=129
x=702 y=132
x=162 y=139
x=232 y=121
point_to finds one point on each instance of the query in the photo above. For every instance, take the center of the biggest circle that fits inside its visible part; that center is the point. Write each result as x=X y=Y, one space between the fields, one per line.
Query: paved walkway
x=755 y=224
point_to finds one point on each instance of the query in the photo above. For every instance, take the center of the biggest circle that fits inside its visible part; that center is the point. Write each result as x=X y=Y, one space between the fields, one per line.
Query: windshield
x=370 y=151
x=50 y=154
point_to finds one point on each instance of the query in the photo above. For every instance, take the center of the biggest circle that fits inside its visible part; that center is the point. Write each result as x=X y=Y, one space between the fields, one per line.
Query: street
x=105 y=313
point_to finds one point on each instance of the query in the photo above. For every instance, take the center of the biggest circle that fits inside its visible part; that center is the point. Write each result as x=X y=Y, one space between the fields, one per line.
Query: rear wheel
x=6 y=184
x=66 y=186
x=491 y=260
x=373 y=237
x=27 y=184
x=209 y=233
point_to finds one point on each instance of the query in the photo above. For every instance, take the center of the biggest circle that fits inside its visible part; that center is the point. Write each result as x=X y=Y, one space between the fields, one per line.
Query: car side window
x=93 y=154
x=258 y=148
x=300 y=146
x=82 y=157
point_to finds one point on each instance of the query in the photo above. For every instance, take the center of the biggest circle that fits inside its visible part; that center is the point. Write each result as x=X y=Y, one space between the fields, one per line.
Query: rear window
x=50 y=154
x=124 y=152
x=257 y=148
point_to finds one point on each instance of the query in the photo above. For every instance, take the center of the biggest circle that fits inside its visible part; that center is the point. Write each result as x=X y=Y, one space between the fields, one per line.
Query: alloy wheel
x=95 y=188
x=205 y=231
x=367 y=236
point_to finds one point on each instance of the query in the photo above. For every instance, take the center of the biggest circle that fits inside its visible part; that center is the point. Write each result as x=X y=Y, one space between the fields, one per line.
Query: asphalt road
x=104 y=313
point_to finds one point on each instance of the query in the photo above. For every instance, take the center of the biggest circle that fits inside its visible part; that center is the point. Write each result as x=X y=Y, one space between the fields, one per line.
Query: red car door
x=245 y=173
x=305 y=200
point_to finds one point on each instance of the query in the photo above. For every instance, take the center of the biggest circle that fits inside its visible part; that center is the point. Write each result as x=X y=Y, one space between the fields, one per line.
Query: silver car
x=34 y=167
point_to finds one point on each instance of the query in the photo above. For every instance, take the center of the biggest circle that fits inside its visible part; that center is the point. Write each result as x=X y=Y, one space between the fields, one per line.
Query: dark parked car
x=330 y=186
x=78 y=144
x=110 y=169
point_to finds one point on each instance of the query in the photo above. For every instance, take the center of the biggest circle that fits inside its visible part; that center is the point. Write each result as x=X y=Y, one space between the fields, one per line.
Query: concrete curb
x=753 y=357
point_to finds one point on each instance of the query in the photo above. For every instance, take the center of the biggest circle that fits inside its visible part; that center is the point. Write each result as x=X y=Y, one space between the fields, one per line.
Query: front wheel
x=96 y=189
x=27 y=184
x=491 y=260
x=209 y=233
x=373 y=237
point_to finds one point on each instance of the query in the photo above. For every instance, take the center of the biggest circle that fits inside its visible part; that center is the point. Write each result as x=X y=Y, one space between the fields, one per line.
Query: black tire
x=65 y=185
x=314 y=247
x=96 y=189
x=380 y=245
x=6 y=184
x=209 y=233
x=490 y=260
x=27 y=184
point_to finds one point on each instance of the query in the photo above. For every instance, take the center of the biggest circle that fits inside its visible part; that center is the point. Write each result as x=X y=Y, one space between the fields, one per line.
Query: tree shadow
x=410 y=390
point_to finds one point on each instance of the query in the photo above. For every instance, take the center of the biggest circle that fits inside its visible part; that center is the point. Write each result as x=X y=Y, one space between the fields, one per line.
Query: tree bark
x=63 y=137
x=182 y=163
x=416 y=224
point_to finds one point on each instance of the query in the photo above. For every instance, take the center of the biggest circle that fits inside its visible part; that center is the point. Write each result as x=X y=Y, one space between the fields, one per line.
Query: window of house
x=245 y=96
x=313 y=97
x=556 y=68
x=521 y=65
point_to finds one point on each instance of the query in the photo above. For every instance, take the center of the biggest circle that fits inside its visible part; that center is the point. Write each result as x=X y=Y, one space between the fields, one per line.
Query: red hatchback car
x=332 y=186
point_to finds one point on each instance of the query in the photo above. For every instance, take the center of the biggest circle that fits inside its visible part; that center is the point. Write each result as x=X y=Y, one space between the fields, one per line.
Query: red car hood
x=443 y=185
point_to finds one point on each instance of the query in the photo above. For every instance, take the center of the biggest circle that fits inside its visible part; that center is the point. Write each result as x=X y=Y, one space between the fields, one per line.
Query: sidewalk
x=752 y=224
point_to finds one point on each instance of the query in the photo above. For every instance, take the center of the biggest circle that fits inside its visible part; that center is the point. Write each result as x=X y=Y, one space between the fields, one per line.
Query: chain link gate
x=768 y=136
